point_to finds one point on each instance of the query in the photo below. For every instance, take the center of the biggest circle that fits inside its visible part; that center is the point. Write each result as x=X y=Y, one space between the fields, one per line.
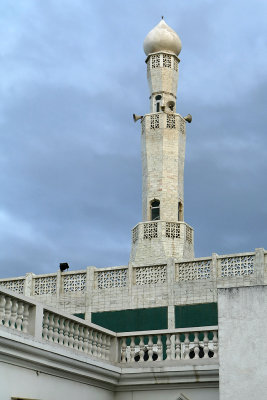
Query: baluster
x=142 y=348
x=196 y=345
x=51 y=327
x=56 y=328
x=90 y=342
x=94 y=348
x=7 y=311
x=45 y=325
x=215 y=344
x=71 y=338
x=2 y=308
x=75 y=336
x=177 y=347
x=206 y=345
x=81 y=337
x=85 y=340
x=132 y=349
x=159 y=348
x=99 y=345
x=13 y=315
x=186 y=346
x=66 y=332
x=26 y=313
x=108 y=348
x=168 y=346
x=150 y=348
x=123 y=350
x=104 y=348
x=19 y=315
x=61 y=330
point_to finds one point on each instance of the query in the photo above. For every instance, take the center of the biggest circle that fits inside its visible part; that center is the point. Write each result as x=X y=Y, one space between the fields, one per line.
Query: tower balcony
x=163 y=120
x=159 y=240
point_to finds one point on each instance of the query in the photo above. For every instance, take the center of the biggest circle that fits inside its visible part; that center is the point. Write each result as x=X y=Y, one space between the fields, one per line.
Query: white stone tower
x=163 y=232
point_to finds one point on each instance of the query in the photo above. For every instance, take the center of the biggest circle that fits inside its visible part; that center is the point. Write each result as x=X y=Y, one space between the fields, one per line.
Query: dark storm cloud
x=72 y=75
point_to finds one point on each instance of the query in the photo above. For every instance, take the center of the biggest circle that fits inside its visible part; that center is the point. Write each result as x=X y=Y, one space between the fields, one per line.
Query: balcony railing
x=30 y=319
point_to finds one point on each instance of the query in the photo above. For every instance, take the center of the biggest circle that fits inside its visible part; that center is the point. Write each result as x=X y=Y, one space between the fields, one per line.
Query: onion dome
x=162 y=38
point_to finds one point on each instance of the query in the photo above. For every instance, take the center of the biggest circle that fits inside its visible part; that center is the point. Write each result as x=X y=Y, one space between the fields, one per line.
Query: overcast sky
x=72 y=73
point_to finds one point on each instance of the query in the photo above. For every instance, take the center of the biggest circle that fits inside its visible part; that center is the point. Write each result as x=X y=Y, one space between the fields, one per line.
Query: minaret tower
x=163 y=232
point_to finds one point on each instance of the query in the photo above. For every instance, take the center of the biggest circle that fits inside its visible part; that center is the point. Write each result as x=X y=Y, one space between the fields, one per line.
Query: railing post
x=115 y=350
x=90 y=284
x=35 y=326
x=259 y=266
x=59 y=283
x=28 y=284
x=214 y=267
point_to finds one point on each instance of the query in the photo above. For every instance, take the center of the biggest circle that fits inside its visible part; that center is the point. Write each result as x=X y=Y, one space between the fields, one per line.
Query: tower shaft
x=163 y=232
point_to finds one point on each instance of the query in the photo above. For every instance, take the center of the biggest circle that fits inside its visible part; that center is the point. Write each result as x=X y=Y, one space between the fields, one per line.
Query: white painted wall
x=21 y=382
x=242 y=338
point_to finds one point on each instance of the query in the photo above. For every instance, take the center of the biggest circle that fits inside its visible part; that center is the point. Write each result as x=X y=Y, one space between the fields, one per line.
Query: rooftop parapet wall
x=173 y=283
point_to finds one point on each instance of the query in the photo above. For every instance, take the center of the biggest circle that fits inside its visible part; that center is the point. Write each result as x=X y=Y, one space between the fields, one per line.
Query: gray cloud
x=73 y=74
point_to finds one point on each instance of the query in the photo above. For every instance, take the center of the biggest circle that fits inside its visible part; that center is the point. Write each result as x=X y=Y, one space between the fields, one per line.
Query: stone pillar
x=259 y=265
x=170 y=281
x=28 y=285
x=90 y=284
x=59 y=283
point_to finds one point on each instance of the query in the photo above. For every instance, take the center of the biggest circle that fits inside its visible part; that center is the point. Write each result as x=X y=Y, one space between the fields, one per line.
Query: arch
x=155 y=210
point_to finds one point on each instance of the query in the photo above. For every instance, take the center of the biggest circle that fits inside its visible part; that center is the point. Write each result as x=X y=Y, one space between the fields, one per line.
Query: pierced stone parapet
x=171 y=121
x=163 y=120
x=150 y=230
x=173 y=230
x=162 y=60
x=45 y=285
x=237 y=266
x=189 y=234
x=74 y=282
x=112 y=278
x=158 y=229
x=16 y=285
x=150 y=275
x=135 y=234
x=154 y=121
x=193 y=270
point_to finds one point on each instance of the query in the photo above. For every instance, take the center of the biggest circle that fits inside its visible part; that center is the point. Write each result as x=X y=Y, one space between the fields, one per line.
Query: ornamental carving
x=195 y=270
x=112 y=278
x=45 y=285
x=150 y=275
x=15 y=285
x=150 y=230
x=74 y=283
x=237 y=266
x=173 y=230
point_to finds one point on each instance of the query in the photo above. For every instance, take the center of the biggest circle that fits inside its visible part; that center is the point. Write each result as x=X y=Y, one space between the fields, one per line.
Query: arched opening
x=155 y=210
x=158 y=98
x=180 y=211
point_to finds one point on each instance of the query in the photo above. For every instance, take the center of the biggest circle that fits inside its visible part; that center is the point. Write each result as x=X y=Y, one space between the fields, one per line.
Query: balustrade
x=70 y=333
x=179 y=344
x=44 y=323
x=14 y=313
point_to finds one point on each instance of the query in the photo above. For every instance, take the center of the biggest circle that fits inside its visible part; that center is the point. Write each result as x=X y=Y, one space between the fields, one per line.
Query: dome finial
x=162 y=17
x=162 y=38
